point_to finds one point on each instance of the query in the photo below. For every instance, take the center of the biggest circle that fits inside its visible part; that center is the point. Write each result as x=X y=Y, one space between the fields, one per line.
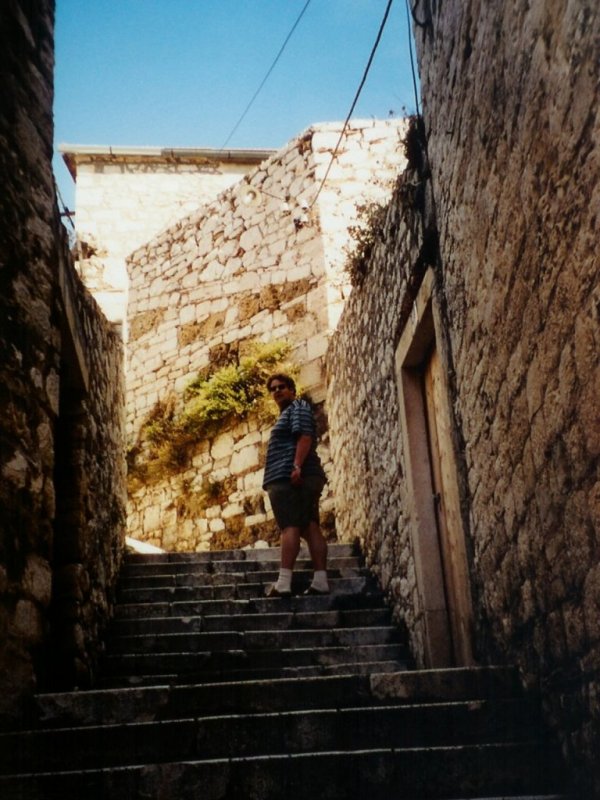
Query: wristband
x=297 y=466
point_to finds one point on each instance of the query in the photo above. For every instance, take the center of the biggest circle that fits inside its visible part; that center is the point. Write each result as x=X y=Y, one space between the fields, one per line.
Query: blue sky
x=179 y=73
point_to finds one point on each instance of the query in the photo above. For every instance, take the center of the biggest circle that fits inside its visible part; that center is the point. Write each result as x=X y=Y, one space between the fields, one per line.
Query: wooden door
x=447 y=510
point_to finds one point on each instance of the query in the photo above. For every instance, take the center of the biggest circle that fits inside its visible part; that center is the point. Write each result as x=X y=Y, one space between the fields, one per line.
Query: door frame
x=446 y=643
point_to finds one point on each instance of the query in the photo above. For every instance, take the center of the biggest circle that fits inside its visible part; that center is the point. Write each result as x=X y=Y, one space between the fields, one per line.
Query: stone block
x=37 y=579
x=325 y=141
x=222 y=446
x=244 y=459
x=248 y=439
x=253 y=481
x=152 y=519
x=233 y=510
x=16 y=470
x=317 y=346
x=255 y=519
x=27 y=624
x=251 y=238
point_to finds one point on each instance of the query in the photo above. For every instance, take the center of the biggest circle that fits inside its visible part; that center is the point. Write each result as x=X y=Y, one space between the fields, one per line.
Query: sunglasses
x=275 y=387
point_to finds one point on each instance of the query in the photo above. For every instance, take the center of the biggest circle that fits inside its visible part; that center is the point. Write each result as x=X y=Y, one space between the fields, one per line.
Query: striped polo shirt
x=295 y=420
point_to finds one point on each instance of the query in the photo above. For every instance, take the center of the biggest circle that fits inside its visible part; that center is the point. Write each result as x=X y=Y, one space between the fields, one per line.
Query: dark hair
x=281 y=376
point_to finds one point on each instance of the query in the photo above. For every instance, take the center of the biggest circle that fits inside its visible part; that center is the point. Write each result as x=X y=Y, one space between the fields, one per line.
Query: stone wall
x=510 y=97
x=262 y=263
x=216 y=501
x=515 y=154
x=126 y=196
x=51 y=336
x=372 y=502
x=90 y=491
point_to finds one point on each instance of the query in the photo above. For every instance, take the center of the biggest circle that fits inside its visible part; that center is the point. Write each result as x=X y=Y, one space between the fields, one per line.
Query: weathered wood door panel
x=447 y=509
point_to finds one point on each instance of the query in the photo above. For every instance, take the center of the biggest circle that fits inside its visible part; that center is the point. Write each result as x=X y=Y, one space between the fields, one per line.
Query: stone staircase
x=211 y=691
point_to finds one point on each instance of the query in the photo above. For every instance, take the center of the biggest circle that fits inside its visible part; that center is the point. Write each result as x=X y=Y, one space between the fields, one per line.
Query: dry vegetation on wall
x=216 y=399
x=370 y=229
x=364 y=235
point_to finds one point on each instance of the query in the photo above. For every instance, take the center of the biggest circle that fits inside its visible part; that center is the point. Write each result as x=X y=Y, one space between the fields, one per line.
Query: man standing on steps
x=294 y=480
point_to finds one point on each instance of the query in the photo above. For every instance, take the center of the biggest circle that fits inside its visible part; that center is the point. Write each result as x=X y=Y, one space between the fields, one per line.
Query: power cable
x=424 y=23
x=412 y=60
x=354 y=102
x=65 y=209
x=264 y=80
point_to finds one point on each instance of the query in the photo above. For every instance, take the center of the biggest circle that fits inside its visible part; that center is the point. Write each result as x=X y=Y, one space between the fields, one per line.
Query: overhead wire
x=411 y=14
x=65 y=209
x=354 y=102
x=358 y=91
x=264 y=80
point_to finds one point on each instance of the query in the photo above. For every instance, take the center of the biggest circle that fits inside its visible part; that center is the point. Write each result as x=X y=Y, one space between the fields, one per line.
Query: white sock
x=320 y=581
x=284 y=581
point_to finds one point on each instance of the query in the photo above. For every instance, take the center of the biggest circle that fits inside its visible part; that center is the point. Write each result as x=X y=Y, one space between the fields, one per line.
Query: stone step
x=130 y=571
x=429 y=773
x=169 y=702
x=249 y=606
x=251 y=641
x=302 y=577
x=454 y=683
x=230 y=736
x=246 y=674
x=208 y=689
x=219 y=661
x=253 y=622
x=335 y=550
x=238 y=590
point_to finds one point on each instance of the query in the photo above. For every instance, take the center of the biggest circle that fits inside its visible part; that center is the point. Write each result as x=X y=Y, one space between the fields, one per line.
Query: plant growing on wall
x=371 y=217
x=368 y=231
x=213 y=401
x=193 y=502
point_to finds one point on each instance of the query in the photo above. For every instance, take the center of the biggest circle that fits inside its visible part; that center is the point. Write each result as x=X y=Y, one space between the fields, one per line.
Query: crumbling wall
x=51 y=335
x=262 y=263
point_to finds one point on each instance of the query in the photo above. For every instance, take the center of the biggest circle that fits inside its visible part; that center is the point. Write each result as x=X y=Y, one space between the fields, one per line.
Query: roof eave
x=74 y=154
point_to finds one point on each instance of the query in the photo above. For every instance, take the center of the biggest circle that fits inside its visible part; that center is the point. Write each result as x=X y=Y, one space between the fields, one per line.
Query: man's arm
x=303 y=445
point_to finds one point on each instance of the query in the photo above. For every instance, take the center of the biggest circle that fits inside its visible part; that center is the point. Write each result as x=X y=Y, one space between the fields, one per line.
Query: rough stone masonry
x=515 y=155
x=511 y=105
x=263 y=262
x=61 y=400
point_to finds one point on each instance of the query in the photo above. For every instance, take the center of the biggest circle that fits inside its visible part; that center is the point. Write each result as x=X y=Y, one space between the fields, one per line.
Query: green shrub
x=211 y=403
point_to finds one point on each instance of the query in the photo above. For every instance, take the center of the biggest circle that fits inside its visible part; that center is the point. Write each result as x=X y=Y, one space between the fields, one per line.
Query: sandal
x=313 y=591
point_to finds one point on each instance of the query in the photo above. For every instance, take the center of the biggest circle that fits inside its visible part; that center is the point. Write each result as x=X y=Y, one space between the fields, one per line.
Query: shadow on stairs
x=210 y=690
